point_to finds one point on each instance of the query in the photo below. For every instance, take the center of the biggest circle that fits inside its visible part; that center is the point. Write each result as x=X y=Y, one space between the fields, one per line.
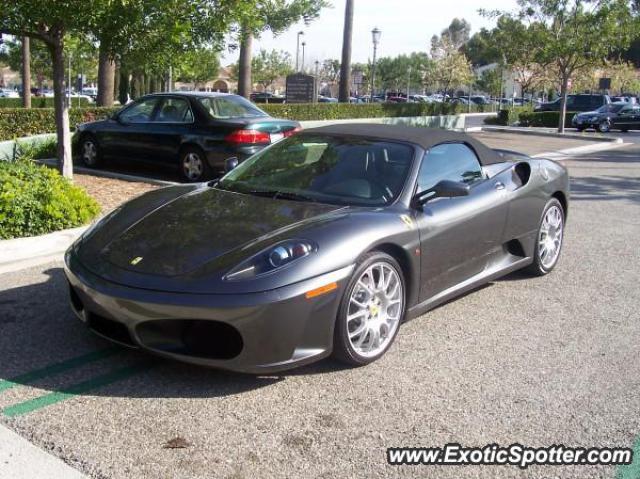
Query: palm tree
x=345 y=67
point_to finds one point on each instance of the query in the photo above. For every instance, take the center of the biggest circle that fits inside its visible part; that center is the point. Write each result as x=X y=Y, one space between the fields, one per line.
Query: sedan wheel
x=193 y=165
x=89 y=153
x=371 y=311
x=604 y=127
x=549 y=240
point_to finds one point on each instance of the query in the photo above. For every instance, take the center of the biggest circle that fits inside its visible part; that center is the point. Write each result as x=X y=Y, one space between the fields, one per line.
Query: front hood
x=203 y=226
x=588 y=114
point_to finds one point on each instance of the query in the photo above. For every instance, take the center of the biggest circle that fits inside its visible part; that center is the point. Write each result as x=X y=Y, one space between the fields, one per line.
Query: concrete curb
x=550 y=133
x=20 y=253
x=19 y=459
x=110 y=174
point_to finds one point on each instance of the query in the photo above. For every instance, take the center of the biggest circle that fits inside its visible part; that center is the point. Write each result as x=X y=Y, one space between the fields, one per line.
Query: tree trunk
x=61 y=108
x=345 y=66
x=244 y=73
x=153 y=84
x=26 y=73
x=564 y=87
x=116 y=81
x=106 y=76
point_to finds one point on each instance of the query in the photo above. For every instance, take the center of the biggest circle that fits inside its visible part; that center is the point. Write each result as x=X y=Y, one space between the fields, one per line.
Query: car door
x=172 y=124
x=130 y=134
x=457 y=235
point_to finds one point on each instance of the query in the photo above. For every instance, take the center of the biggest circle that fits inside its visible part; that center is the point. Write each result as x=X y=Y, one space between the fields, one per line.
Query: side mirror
x=443 y=189
x=230 y=164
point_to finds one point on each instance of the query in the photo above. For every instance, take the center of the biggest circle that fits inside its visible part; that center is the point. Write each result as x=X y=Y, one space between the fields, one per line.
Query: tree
x=481 y=49
x=274 y=15
x=269 y=66
x=198 y=66
x=345 y=68
x=571 y=35
x=490 y=81
x=40 y=59
x=457 y=33
x=450 y=67
x=393 y=73
x=49 y=22
x=26 y=73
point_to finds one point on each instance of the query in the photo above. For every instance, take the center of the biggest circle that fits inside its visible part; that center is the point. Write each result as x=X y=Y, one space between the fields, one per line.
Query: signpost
x=605 y=84
x=301 y=88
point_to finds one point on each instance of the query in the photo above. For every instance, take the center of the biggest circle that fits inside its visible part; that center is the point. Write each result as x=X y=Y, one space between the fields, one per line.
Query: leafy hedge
x=36 y=200
x=549 y=119
x=18 y=122
x=342 y=111
x=507 y=116
x=38 y=102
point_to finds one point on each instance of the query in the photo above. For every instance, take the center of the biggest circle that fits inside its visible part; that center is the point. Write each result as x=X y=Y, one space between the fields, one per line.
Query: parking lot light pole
x=304 y=44
x=375 y=35
x=298 y=51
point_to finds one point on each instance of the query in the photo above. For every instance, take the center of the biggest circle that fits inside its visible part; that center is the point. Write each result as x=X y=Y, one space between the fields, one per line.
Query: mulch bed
x=111 y=193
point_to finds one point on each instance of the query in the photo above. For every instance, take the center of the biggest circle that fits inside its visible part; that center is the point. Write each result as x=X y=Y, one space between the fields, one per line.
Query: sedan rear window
x=226 y=107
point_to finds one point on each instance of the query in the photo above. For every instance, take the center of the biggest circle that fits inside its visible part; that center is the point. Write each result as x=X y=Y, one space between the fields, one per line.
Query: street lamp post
x=300 y=33
x=375 y=35
x=304 y=44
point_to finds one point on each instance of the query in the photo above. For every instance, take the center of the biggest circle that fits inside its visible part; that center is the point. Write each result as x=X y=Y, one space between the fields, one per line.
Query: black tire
x=580 y=128
x=537 y=268
x=194 y=174
x=624 y=130
x=342 y=348
x=90 y=151
x=604 y=126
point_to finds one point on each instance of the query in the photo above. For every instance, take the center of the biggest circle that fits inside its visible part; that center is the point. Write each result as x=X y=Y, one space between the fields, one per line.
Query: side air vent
x=522 y=173
x=515 y=248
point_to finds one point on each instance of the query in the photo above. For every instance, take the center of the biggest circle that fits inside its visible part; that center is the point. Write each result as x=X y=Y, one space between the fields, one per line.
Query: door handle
x=499 y=185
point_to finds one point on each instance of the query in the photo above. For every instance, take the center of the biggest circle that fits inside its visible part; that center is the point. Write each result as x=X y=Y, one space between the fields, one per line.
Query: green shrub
x=18 y=122
x=507 y=116
x=39 y=102
x=342 y=111
x=36 y=200
x=549 y=119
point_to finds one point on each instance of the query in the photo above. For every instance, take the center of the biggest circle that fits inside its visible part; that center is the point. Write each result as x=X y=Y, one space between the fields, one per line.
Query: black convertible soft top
x=426 y=138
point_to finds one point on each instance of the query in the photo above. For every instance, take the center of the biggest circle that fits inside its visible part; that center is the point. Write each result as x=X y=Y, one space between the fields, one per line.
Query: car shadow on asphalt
x=605 y=188
x=43 y=345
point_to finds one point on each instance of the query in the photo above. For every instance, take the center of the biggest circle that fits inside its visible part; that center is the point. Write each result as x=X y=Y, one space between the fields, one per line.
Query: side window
x=449 y=161
x=140 y=112
x=175 y=110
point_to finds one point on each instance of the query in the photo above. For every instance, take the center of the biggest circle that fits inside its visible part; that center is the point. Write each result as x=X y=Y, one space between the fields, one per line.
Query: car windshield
x=327 y=169
x=611 y=108
x=231 y=106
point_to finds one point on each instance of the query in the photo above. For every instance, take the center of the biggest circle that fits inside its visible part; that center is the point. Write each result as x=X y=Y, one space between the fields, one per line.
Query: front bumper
x=277 y=330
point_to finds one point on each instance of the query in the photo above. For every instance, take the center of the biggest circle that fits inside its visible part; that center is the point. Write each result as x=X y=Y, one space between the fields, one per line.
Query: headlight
x=271 y=259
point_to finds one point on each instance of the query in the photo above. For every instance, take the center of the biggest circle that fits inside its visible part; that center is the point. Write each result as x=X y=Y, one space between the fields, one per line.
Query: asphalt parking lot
x=542 y=361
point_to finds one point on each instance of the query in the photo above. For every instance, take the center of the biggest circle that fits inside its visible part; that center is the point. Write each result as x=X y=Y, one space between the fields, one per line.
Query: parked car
x=8 y=93
x=582 y=102
x=627 y=119
x=195 y=131
x=266 y=97
x=600 y=119
x=326 y=99
x=321 y=244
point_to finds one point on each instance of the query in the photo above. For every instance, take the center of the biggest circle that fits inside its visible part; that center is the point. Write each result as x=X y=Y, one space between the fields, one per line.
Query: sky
x=407 y=26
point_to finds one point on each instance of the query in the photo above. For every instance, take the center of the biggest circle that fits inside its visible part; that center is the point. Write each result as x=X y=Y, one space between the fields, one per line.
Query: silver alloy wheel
x=192 y=166
x=550 y=238
x=89 y=152
x=604 y=126
x=374 y=310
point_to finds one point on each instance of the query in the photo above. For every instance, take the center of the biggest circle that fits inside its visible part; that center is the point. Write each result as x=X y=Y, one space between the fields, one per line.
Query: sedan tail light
x=248 y=137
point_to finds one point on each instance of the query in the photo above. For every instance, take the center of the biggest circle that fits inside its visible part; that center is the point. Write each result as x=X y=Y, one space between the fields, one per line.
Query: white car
x=6 y=93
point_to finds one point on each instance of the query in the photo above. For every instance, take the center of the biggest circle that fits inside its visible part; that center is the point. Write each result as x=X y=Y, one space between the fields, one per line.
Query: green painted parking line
x=74 y=390
x=631 y=471
x=57 y=368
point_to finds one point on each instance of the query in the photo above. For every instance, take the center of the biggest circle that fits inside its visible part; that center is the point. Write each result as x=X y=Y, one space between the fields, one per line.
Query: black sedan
x=322 y=243
x=602 y=118
x=196 y=132
x=629 y=119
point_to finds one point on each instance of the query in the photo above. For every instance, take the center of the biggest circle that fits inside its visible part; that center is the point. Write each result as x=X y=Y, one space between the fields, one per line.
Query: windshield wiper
x=285 y=195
